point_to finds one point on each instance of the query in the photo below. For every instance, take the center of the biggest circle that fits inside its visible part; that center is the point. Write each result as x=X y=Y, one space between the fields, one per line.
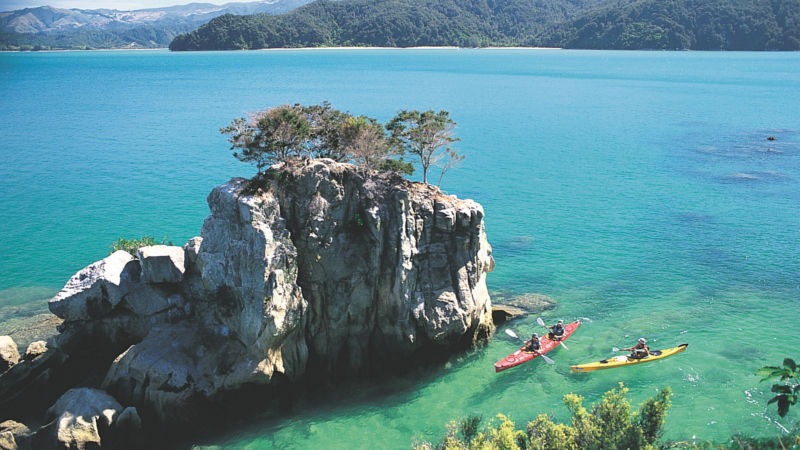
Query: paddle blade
x=563 y=345
x=614 y=349
x=547 y=359
x=540 y=321
x=511 y=333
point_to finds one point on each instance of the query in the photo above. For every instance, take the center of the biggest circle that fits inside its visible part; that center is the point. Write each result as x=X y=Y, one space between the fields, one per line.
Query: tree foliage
x=787 y=389
x=609 y=424
x=289 y=132
x=426 y=134
x=597 y=24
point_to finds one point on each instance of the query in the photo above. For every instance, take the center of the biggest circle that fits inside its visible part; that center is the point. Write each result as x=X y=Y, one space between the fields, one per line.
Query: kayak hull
x=520 y=356
x=622 y=361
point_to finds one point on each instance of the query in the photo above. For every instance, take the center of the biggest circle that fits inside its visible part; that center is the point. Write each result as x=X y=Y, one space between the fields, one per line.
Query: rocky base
x=315 y=272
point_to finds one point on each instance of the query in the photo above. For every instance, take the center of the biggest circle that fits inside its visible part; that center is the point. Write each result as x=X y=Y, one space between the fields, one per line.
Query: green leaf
x=790 y=364
x=783 y=406
x=768 y=372
x=781 y=388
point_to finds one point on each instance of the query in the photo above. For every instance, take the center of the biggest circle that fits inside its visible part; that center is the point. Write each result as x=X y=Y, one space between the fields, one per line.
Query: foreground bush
x=610 y=424
x=131 y=245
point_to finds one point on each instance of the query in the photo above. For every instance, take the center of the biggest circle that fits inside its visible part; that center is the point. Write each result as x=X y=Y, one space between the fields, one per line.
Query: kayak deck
x=520 y=356
x=620 y=361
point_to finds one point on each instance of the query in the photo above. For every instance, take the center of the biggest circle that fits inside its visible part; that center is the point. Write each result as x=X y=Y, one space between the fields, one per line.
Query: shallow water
x=638 y=189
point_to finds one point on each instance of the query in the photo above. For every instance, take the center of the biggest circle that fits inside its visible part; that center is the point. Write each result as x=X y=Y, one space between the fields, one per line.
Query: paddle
x=541 y=322
x=514 y=335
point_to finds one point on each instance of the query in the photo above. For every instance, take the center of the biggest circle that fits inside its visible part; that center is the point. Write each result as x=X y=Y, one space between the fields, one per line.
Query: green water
x=638 y=189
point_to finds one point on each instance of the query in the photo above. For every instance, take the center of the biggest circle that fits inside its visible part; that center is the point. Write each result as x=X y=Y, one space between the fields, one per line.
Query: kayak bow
x=520 y=356
x=620 y=361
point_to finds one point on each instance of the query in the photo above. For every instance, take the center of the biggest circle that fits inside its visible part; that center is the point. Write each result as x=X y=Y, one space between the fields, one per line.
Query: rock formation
x=306 y=272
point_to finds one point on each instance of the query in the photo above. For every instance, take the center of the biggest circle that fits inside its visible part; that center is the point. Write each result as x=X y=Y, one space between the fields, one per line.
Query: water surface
x=638 y=189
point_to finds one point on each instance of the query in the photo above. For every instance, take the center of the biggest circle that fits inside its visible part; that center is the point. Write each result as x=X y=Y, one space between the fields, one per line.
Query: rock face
x=80 y=416
x=161 y=264
x=9 y=354
x=320 y=271
x=97 y=289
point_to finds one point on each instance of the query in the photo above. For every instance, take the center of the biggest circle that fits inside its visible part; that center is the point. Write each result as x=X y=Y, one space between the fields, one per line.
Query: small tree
x=452 y=159
x=269 y=136
x=364 y=140
x=787 y=389
x=423 y=134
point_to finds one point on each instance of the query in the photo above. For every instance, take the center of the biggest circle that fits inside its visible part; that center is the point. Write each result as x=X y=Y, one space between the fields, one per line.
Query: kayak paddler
x=640 y=350
x=532 y=344
x=556 y=331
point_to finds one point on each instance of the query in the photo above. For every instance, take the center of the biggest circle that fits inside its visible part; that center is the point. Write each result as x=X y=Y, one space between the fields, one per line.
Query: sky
x=124 y=5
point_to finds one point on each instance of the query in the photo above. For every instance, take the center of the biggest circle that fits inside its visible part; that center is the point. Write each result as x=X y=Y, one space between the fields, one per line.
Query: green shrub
x=610 y=424
x=132 y=245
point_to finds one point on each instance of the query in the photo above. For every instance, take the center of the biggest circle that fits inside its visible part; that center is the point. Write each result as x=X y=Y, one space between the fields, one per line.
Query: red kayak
x=520 y=356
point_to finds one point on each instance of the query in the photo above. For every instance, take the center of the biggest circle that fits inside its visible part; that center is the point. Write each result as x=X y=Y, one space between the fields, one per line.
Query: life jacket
x=534 y=345
x=558 y=330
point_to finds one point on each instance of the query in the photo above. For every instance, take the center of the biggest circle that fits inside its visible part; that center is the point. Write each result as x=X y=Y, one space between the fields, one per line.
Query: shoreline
x=282 y=49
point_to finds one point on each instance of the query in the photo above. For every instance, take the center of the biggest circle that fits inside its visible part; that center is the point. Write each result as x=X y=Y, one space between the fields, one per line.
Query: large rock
x=14 y=436
x=9 y=354
x=97 y=289
x=388 y=266
x=32 y=383
x=162 y=263
x=322 y=271
x=80 y=418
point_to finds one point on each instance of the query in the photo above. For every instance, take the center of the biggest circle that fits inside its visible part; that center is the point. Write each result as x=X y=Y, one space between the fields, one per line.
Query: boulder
x=97 y=289
x=162 y=263
x=9 y=354
x=14 y=436
x=147 y=300
x=502 y=313
x=32 y=383
x=80 y=418
x=34 y=350
x=191 y=249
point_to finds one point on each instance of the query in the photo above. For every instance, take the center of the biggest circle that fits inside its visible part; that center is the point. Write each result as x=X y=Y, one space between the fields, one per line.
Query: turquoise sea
x=638 y=189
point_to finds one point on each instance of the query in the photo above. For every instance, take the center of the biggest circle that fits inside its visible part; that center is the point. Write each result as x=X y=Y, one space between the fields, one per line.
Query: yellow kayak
x=620 y=361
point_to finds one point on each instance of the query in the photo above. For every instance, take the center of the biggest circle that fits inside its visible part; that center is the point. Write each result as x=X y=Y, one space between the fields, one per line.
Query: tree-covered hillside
x=622 y=24
x=685 y=24
x=393 y=23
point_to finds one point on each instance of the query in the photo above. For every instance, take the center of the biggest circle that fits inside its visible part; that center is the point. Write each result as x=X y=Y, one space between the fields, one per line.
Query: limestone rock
x=31 y=383
x=147 y=300
x=97 y=289
x=34 y=350
x=191 y=249
x=529 y=303
x=162 y=263
x=14 y=436
x=9 y=354
x=502 y=313
x=81 y=417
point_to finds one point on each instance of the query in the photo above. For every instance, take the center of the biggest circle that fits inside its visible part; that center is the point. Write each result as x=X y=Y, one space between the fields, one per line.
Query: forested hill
x=392 y=23
x=685 y=24
x=596 y=24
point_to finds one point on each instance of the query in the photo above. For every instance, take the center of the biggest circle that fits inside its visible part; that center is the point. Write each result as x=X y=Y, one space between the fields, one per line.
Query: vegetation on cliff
x=390 y=23
x=684 y=24
x=596 y=24
x=290 y=132
x=610 y=423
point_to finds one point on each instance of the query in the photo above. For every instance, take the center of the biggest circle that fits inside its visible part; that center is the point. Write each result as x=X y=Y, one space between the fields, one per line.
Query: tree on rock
x=269 y=136
x=424 y=134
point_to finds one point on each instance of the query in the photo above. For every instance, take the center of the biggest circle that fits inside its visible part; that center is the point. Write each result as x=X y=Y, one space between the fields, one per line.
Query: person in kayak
x=556 y=331
x=532 y=344
x=640 y=350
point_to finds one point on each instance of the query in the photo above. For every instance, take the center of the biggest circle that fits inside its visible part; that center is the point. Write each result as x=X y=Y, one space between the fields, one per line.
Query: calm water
x=638 y=189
